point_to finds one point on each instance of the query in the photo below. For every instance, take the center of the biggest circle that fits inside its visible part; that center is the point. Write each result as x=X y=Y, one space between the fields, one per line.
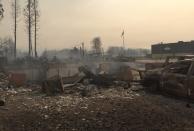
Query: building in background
x=172 y=49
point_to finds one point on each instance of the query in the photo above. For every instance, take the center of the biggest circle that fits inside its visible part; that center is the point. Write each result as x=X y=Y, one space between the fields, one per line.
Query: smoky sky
x=66 y=23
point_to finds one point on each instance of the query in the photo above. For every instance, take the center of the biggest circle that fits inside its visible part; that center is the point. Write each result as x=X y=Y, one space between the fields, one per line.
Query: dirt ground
x=114 y=109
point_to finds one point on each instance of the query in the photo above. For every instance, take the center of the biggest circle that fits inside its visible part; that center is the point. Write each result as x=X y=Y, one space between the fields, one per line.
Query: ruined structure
x=172 y=49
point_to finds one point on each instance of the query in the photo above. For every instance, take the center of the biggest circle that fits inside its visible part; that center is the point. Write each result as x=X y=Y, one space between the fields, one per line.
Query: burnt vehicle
x=176 y=78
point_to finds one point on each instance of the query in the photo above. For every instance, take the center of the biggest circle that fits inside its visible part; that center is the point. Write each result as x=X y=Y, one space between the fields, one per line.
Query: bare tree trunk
x=29 y=28
x=15 y=7
x=35 y=30
x=15 y=30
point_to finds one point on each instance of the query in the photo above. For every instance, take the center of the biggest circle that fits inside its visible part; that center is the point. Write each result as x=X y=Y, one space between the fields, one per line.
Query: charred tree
x=1 y=10
x=15 y=14
x=29 y=16
x=36 y=20
x=97 y=45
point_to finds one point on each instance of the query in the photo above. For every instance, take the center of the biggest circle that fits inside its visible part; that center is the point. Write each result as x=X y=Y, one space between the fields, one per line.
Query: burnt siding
x=173 y=48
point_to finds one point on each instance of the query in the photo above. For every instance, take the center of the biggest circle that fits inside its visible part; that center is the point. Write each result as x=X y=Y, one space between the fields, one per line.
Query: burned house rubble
x=56 y=95
x=88 y=93
x=103 y=75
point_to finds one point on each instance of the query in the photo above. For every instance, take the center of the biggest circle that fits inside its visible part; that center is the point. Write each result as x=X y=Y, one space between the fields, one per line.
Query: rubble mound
x=4 y=82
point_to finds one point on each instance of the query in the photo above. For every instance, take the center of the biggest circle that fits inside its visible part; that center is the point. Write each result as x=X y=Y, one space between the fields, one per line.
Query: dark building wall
x=174 y=48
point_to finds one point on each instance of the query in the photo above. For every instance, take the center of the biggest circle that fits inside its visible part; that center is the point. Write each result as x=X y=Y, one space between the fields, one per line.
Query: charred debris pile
x=87 y=80
x=75 y=96
x=55 y=77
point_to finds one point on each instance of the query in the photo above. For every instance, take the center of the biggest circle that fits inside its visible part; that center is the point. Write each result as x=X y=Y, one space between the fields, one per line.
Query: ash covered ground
x=103 y=109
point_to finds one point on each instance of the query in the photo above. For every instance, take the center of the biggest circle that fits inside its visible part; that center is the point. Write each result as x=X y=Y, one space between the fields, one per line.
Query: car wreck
x=176 y=78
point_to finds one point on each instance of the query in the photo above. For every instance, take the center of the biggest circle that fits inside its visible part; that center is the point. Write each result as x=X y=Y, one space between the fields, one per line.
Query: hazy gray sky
x=65 y=23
